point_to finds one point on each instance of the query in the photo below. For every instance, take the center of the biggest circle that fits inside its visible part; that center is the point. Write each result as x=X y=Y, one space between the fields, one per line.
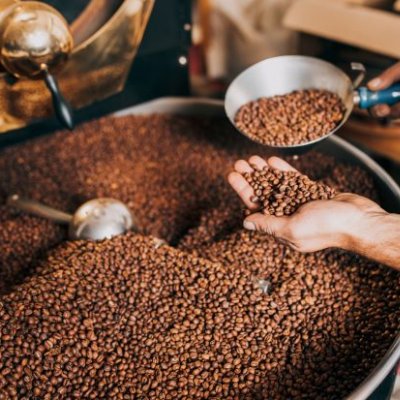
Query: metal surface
x=33 y=35
x=35 y=41
x=388 y=190
x=97 y=68
x=100 y=219
x=361 y=73
x=96 y=219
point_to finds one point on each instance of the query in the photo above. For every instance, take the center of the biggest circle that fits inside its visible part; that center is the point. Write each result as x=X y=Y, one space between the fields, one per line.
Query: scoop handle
x=368 y=98
x=61 y=106
x=40 y=210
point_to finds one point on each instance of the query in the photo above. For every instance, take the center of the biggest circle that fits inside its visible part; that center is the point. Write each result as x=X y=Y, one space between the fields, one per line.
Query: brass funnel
x=35 y=41
x=97 y=67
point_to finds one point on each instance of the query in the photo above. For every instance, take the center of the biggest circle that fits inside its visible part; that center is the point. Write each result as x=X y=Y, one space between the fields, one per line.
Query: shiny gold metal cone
x=97 y=68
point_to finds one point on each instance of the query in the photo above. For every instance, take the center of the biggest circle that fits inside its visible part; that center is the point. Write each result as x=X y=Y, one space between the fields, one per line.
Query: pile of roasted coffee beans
x=295 y=118
x=219 y=313
x=283 y=192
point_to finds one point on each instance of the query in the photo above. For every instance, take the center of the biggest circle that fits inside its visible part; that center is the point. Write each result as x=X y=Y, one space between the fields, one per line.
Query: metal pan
x=388 y=190
x=282 y=75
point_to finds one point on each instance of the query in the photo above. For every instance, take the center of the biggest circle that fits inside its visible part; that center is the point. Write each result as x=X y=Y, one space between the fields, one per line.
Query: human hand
x=316 y=225
x=383 y=81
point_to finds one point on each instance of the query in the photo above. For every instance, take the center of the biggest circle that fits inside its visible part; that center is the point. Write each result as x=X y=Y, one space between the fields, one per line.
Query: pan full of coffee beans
x=216 y=312
x=291 y=103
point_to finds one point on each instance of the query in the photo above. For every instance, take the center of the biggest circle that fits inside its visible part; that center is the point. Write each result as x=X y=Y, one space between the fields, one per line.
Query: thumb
x=386 y=79
x=269 y=224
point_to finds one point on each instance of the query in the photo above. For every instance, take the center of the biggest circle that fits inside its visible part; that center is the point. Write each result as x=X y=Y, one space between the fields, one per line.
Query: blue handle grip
x=388 y=96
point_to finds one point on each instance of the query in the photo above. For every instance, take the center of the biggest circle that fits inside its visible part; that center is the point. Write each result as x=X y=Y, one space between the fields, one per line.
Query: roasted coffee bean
x=220 y=313
x=283 y=192
x=295 y=118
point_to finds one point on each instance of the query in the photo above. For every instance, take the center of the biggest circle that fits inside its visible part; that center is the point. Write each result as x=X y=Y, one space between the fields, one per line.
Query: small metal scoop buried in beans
x=94 y=220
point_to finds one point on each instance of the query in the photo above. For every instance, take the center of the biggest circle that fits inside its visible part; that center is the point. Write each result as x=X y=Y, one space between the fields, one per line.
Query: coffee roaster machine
x=98 y=69
x=92 y=58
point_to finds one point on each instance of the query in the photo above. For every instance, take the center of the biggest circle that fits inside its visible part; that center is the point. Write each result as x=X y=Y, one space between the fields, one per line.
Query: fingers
x=380 y=111
x=387 y=78
x=258 y=162
x=239 y=183
x=243 y=167
x=383 y=110
x=242 y=188
x=278 y=163
x=268 y=224
x=383 y=81
x=273 y=162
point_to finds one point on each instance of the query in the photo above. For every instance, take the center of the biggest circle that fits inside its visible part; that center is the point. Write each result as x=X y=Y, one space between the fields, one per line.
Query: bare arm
x=347 y=221
x=378 y=238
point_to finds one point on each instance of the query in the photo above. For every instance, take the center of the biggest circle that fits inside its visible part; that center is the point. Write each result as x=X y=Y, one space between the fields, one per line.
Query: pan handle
x=61 y=106
x=367 y=98
x=361 y=72
x=40 y=210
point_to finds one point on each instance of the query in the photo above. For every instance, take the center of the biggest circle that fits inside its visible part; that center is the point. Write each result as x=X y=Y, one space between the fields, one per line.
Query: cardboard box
x=367 y=28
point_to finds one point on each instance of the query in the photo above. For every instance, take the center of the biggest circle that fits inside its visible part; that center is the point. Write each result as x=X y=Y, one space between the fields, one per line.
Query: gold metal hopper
x=98 y=66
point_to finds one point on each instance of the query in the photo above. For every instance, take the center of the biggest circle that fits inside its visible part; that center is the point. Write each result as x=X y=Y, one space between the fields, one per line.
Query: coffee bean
x=124 y=318
x=295 y=118
x=297 y=188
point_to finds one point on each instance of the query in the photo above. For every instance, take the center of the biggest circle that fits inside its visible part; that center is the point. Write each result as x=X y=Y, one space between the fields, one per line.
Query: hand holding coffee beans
x=291 y=119
x=273 y=190
x=283 y=192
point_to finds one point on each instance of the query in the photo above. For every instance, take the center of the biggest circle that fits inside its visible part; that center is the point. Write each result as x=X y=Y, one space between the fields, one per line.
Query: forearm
x=378 y=238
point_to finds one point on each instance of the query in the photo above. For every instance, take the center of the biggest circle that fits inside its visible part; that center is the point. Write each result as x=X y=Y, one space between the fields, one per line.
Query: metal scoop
x=282 y=75
x=94 y=220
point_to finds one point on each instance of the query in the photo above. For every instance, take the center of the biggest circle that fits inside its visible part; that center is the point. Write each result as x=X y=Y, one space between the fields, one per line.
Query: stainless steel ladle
x=284 y=74
x=94 y=220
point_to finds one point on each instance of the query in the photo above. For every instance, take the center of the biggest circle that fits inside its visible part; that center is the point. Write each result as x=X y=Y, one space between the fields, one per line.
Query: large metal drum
x=389 y=194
